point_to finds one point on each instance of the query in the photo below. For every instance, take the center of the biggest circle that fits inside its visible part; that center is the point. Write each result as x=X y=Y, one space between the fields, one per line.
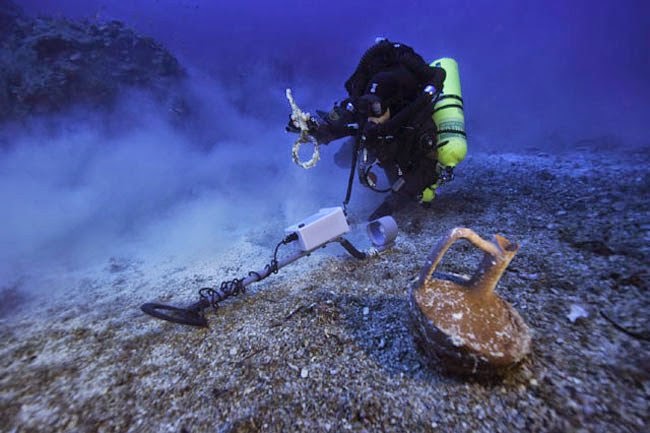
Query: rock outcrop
x=50 y=64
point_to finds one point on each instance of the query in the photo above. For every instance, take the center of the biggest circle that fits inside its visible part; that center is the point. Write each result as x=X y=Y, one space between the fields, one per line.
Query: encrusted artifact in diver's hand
x=462 y=322
x=301 y=120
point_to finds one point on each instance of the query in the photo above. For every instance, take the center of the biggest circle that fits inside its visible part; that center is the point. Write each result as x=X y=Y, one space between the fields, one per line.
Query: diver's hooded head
x=392 y=88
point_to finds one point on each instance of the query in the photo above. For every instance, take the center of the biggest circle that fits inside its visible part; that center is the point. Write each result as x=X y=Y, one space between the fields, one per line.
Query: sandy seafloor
x=324 y=346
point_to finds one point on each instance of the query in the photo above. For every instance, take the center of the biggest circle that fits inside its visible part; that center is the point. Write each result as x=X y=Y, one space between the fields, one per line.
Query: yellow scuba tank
x=451 y=144
x=449 y=117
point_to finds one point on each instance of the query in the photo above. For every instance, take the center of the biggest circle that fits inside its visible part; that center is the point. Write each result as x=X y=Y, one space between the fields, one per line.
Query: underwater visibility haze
x=542 y=75
x=172 y=170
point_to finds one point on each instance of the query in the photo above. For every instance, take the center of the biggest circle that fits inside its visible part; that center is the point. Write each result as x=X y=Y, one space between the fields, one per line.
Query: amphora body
x=462 y=322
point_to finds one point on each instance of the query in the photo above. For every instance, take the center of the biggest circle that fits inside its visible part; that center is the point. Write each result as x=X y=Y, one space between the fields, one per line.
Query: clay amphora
x=462 y=323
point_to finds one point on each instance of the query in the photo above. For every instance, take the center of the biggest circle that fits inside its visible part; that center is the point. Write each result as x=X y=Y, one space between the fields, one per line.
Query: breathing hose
x=355 y=157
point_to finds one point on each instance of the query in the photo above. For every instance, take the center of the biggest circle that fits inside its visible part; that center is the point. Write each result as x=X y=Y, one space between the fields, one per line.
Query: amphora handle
x=498 y=255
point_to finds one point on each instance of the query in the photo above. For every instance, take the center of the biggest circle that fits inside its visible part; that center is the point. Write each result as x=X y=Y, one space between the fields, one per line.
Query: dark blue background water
x=543 y=75
x=532 y=71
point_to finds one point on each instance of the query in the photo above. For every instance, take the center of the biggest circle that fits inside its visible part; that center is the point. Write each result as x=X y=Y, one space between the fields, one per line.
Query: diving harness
x=369 y=162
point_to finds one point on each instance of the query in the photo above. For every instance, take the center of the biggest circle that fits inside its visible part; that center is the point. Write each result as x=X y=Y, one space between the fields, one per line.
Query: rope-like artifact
x=300 y=120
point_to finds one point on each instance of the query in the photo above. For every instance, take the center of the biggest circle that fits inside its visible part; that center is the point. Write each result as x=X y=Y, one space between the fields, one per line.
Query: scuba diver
x=390 y=113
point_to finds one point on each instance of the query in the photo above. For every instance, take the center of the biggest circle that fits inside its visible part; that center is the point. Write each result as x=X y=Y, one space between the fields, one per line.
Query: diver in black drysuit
x=389 y=112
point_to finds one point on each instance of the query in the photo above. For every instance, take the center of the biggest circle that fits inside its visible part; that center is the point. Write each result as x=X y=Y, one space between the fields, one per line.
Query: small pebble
x=304 y=373
x=588 y=410
x=576 y=313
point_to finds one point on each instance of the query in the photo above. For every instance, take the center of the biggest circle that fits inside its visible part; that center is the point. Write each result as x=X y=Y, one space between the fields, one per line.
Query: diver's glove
x=291 y=127
x=312 y=125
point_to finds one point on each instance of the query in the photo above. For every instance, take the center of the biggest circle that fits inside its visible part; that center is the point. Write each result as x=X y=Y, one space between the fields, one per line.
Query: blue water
x=535 y=75
x=530 y=70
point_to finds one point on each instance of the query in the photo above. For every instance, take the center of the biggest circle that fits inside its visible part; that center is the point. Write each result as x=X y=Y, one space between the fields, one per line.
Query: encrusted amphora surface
x=462 y=323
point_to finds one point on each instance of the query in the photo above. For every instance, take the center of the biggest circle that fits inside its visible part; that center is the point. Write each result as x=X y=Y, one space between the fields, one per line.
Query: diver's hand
x=312 y=124
x=291 y=126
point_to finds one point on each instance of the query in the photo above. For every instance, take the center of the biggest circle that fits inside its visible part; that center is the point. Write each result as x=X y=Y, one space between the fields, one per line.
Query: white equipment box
x=320 y=228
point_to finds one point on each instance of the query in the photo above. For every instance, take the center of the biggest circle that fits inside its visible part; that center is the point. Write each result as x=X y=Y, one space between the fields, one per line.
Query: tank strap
x=450 y=96
x=450 y=131
x=448 y=106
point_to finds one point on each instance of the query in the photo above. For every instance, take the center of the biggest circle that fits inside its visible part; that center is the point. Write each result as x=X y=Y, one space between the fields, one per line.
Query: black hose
x=355 y=156
x=352 y=249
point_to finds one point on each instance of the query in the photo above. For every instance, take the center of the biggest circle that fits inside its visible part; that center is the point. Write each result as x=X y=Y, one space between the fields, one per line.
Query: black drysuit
x=389 y=77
